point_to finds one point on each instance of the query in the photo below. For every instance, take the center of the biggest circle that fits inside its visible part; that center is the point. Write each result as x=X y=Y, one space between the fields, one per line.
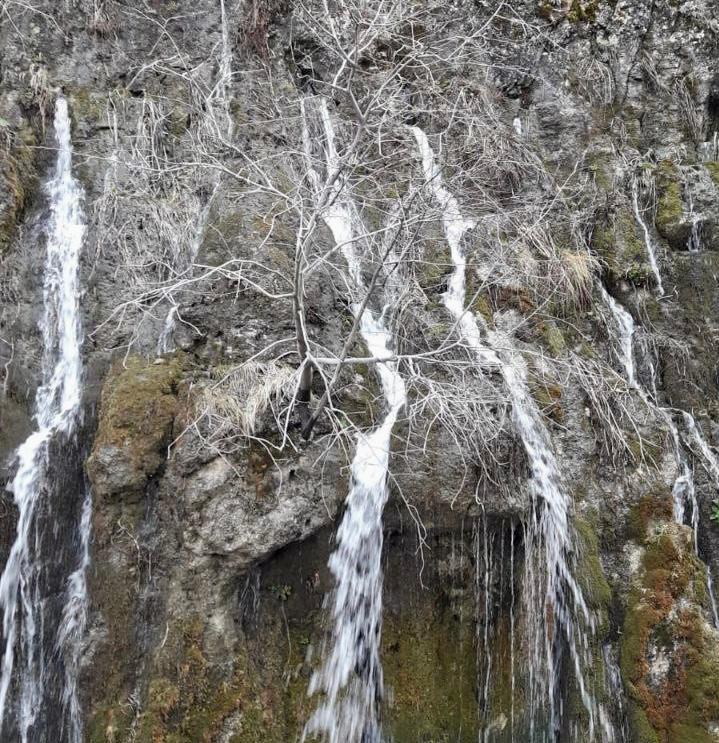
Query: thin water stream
x=648 y=242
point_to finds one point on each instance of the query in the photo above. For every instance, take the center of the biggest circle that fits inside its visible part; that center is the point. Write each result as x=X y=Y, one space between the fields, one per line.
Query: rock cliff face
x=582 y=139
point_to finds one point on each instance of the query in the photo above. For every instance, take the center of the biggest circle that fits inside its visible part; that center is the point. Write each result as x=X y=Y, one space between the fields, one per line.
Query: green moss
x=670 y=203
x=433 y=270
x=482 y=307
x=662 y=613
x=17 y=179
x=661 y=554
x=641 y=730
x=553 y=339
x=87 y=105
x=713 y=168
x=656 y=506
x=438 y=332
x=137 y=411
x=619 y=244
x=583 y=11
x=430 y=668
x=600 y=165
x=590 y=572
x=191 y=699
x=640 y=619
x=108 y=725
x=549 y=399
x=113 y=588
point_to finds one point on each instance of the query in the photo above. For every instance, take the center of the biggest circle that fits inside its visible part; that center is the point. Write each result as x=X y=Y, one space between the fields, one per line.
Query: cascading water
x=694 y=243
x=57 y=408
x=351 y=674
x=648 y=242
x=625 y=326
x=684 y=496
x=550 y=531
x=683 y=490
x=711 y=464
x=616 y=688
x=710 y=459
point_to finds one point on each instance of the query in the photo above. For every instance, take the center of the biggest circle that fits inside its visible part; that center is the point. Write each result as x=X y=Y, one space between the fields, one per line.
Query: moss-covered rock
x=713 y=169
x=601 y=164
x=669 y=658
x=548 y=397
x=589 y=570
x=430 y=670
x=17 y=178
x=553 y=338
x=137 y=411
x=618 y=242
x=583 y=11
x=670 y=220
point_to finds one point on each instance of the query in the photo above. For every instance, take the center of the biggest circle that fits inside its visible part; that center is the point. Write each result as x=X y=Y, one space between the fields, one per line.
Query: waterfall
x=648 y=242
x=57 y=407
x=711 y=462
x=217 y=103
x=351 y=674
x=683 y=490
x=550 y=531
x=613 y=677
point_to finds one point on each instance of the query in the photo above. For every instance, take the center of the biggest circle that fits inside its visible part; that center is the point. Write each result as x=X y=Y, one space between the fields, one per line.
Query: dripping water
x=683 y=492
x=351 y=675
x=484 y=578
x=57 y=408
x=511 y=629
x=616 y=690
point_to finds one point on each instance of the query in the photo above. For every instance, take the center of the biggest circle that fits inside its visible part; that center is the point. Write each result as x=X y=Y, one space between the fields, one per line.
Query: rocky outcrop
x=210 y=534
x=139 y=404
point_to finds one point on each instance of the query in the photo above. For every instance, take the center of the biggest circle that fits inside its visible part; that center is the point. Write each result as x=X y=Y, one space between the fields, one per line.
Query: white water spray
x=625 y=333
x=57 y=406
x=550 y=531
x=351 y=675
